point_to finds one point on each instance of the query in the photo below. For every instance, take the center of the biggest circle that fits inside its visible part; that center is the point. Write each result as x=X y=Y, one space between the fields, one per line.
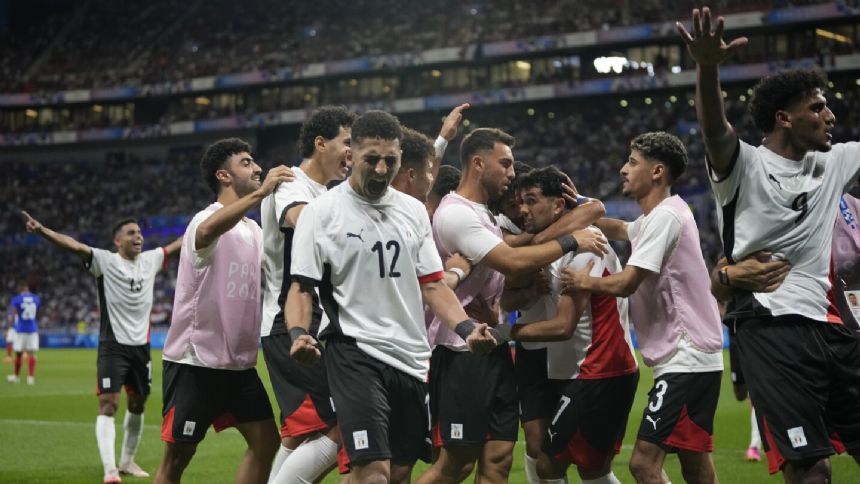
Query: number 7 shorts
x=680 y=411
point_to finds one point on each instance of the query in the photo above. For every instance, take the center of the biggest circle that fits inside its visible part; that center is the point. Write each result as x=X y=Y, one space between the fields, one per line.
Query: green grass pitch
x=47 y=432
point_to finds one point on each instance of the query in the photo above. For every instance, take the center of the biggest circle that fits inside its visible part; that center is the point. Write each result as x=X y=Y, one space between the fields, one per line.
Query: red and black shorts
x=590 y=419
x=121 y=365
x=804 y=380
x=301 y=391
x=473 y=398
x=680 y=411
x=537 y=395
x=196 y=397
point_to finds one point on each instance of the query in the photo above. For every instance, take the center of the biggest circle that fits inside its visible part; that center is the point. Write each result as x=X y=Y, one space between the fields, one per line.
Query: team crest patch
x=457 y=431
x=189 y=427
x=105 y=382
x=360 y=440
x=797 y=437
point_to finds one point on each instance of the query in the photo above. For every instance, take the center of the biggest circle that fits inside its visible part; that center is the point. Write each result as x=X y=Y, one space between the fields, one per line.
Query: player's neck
x=227 y=196
x=653 y=198
x=126 y=256
x=471 y=190
x=781 y=145
x=314 y=170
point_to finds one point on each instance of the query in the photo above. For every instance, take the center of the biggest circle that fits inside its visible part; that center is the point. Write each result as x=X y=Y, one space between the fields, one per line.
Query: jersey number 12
x=391 y=245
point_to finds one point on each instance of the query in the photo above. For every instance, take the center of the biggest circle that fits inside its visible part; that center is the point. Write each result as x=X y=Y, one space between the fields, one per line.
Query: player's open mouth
x=376 y=186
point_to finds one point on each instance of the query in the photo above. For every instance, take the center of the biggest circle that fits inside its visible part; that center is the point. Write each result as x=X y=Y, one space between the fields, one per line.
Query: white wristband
x=459 y=273
x=440 y=145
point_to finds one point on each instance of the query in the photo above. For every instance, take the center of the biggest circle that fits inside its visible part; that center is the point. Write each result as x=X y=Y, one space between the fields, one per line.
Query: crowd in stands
x=588 y=140
x=105 y=43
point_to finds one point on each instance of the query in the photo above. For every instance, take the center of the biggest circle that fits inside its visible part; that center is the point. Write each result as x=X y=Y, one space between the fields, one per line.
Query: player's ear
x=783 y=119
x=319 y=143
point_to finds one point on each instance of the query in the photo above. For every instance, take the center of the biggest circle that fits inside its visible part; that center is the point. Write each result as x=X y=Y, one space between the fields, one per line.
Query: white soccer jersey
x=367 y=259
x=277 y=245
x=125 y=294
x=787 y=207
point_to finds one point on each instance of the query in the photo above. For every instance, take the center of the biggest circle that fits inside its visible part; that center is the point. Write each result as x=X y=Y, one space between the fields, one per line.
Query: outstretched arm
x=614 y=229
x=709 y=49
x=62 y=241
x=620 y=284
x=173 y=247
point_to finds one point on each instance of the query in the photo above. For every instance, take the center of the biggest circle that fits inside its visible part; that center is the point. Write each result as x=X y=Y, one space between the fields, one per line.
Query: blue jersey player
x=24 y=308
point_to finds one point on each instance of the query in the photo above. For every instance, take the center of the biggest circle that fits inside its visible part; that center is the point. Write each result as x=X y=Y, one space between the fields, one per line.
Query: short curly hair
x=664 y=148
x=447 y=180
x=416 y=148
x=777 y=92
x=216 y=155
x=376 y=124
x=549 y=179
x=326 y=122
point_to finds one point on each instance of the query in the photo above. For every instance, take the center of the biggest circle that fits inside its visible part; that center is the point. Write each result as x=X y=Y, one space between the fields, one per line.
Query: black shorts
x=473 y=398
x=196 y=397
x=804 y=381
x=537 y=395
x=301 y=391
x=381 y=411
x=121 y=365
x=737 y=374
x=590 y=419
x=680 y=411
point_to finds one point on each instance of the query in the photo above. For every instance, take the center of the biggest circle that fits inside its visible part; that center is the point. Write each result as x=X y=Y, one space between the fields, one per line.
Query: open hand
x=708 y=47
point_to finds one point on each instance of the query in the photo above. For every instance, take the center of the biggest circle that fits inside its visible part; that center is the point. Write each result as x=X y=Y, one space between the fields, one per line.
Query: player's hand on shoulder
x=481 y=341
x=275 y=176
x=305 y=350
x=32 y=225
x=590 y=240
x=572 y=279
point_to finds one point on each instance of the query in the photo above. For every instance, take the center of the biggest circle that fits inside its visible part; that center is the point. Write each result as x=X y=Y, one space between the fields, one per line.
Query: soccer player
x=580 y=376
x=125 y=284
x=676 y=319
x=25 y=306
x=307 y=416
x=473 y=398
x=801 y=364
x=211 y=346
x=446 y=182
x=369 y=251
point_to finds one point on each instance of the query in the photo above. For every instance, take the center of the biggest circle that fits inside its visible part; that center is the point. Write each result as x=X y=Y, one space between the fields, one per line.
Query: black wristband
x=568 y=243
x=500 y=340
x=296 y=331
x=464 y=328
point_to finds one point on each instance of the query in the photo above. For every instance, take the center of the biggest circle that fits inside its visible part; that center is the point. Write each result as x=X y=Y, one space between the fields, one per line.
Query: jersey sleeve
x=460 y=230
x=633 y=228
x=98 y=261
x=287 y=196
x=428 y=264
x=155 y=258
x=726 y=185
x=307 y=258
x=659 y=237
x=199 y=257
x=507 y=224
x=846 y=161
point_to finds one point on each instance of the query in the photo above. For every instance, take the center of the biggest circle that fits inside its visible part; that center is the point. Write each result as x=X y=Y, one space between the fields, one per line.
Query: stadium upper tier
x=104 y=44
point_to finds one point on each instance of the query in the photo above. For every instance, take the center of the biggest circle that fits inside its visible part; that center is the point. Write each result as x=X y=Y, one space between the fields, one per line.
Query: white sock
x=308 y=461
x=607 y=479
x=280 y=457
x=132 y=427
x=530 y=465
x=106 y=438
x=755 y=436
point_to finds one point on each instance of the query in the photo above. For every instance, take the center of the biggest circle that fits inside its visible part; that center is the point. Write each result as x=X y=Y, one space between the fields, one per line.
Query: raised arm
x=509 y=260
x=227 y=217
x=62 y=241
x=709 y=50
x=446 y=135
x=577 y=219
x=173 y=247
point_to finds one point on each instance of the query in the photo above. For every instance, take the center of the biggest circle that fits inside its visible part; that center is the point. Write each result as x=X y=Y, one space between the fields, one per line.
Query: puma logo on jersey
x=551 y=434
x=775 y=180
x=357 y=236
x=653 y=422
